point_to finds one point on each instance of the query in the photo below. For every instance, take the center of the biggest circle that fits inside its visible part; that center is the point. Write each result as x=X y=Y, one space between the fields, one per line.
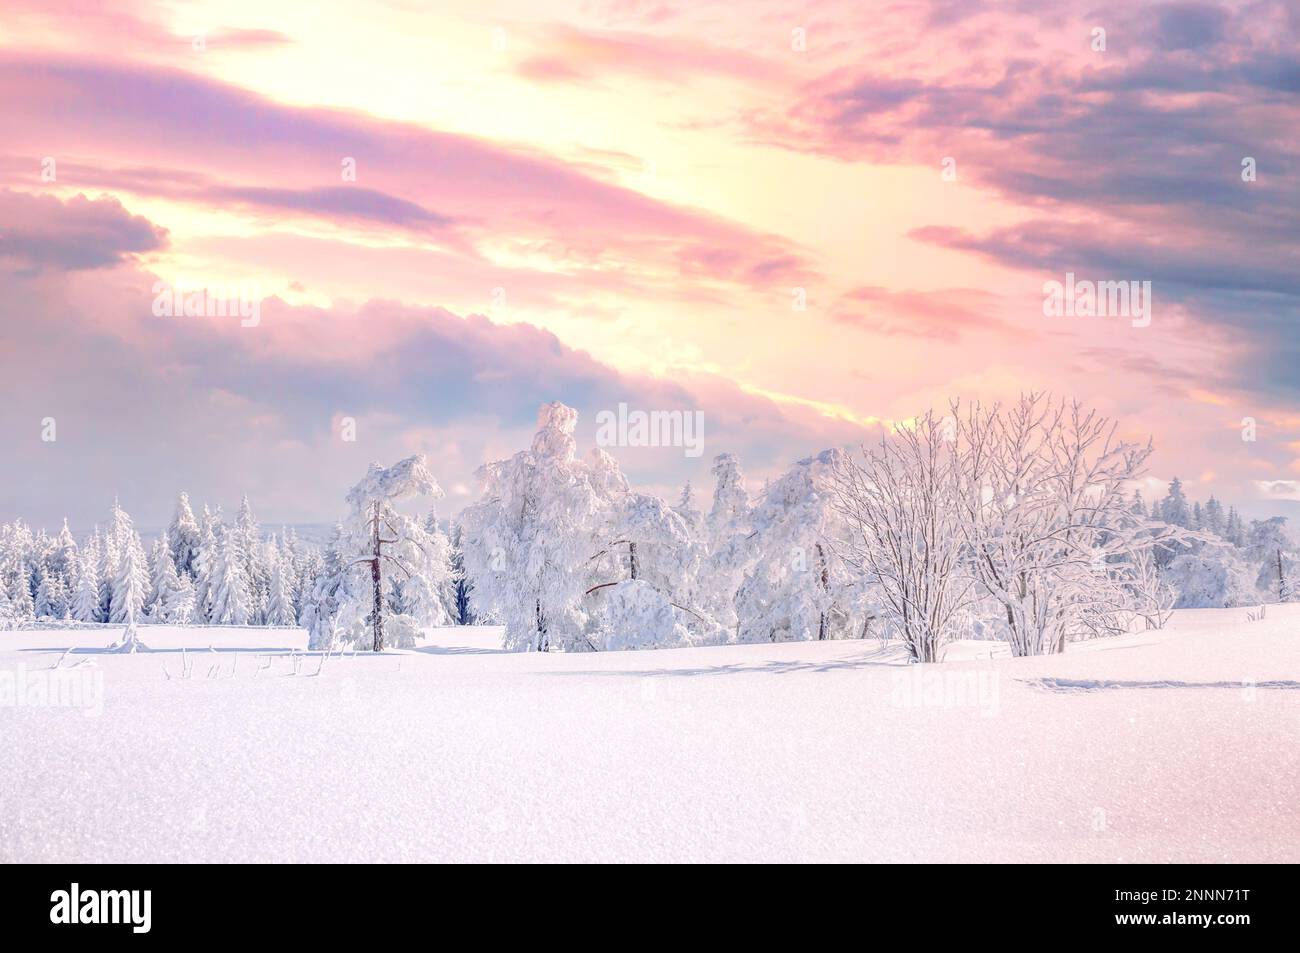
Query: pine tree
x=251 y=560
x=1234 y=529
x=108 y=557
x=164 y=581
x=8 y=618
x=46 y=606
x=204 y=566
x=1214 y=518
x=279 y=603
x=183 y=538
x=131 y=584
x=180 y=607
x=463 y=615
x=24 y=608
x=63 y=560
x=85 y=600
x=229 y=589
x=1173 y=508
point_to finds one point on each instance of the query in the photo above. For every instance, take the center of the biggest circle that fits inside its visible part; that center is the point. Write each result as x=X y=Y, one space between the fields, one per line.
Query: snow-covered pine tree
x=183 y=538
x=165 y=581
x=63 y=559
x=46 y=603
x=1173 y=509
x=279 y=601
x=227 y=587
x=429 y=595
x=252 y=559
x=180 y=607
x=462 y=614
x=85 y=598
x=1240 y=536
x=204 y=566
x=131 y=584
x=321 y=601
x=728 y=551
x=108 y=559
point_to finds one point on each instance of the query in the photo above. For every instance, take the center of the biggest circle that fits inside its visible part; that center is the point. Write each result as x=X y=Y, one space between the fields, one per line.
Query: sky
x=807 y=222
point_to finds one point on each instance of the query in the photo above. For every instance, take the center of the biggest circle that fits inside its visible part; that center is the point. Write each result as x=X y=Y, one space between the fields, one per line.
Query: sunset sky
x=600 y=202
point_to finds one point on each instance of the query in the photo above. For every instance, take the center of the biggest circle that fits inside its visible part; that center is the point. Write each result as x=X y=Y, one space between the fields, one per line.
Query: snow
x=1181 y=745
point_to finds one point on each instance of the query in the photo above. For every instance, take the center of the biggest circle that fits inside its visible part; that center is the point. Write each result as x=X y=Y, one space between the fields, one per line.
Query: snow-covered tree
x=131 y=584
x=641 y=540
x=528 y=541
x=279 y=602
x=227 y=587
x=903 y=533
x=107 y=572
x=165 y=581
x=248 y=543
x=204 y=566
x=728 y=551
x=63 y=557
x=1045 y=516
x=1215 y=520
x=85 y=599
x=321 y=601
x=377 y=547
x=51 y=600
x=798 y=587
x=21 y=601
x=1173 y=509
x=1213 y=577
x=183 y=538
x=462 y=614
x=8 y=617
x=180 y=606
x=429 y=595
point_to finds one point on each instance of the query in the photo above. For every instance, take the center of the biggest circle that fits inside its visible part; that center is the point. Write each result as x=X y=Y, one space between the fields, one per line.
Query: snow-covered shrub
x=633 y=614
x=1214 y=578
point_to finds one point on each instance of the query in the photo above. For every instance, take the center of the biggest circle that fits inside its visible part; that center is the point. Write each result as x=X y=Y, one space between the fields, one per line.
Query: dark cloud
x=39 y=231
x=1189 y=26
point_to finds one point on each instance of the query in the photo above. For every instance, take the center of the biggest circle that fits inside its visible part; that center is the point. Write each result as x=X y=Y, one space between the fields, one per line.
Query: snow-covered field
x=1181 y=745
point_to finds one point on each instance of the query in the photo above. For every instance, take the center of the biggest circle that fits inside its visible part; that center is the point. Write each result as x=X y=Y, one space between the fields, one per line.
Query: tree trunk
x=824 y=579
x=631 y=556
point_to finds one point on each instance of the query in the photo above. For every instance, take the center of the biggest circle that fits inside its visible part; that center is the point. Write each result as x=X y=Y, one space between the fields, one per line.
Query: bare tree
x=1049 y=531
x=903 y=530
